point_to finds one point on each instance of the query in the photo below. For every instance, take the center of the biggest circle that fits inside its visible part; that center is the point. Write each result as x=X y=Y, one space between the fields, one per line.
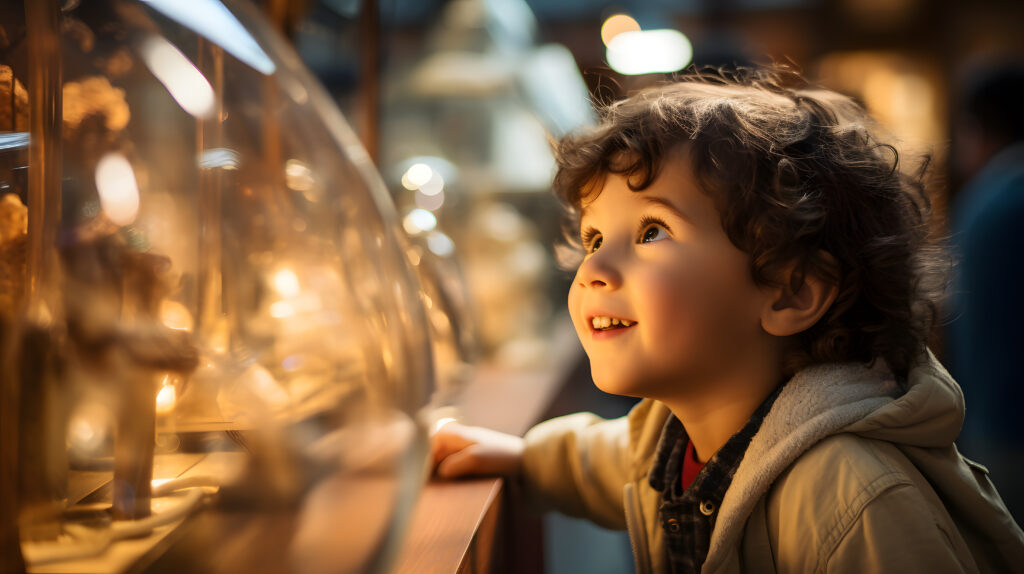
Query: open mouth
x=601 y=323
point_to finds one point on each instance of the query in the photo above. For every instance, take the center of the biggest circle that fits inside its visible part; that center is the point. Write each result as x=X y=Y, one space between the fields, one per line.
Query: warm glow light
x=286 y=283
x=418 y=221
x=434 y=185
x=407 y=183
x=429 y=202
x=419 y=174
x=649 y=52
x=175 y=316
x=88 y=425
x=281 y=310
x=440 y=244
x=298 y=176
x=179 y=75
x=81 y=431
x=166 y=399
x=426 y=173
x=441 y=322
x=414 y=254
x=616 y=25
x=119 y=193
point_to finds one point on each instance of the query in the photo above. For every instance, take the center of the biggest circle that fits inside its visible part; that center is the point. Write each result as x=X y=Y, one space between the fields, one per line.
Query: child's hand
x=460 y=450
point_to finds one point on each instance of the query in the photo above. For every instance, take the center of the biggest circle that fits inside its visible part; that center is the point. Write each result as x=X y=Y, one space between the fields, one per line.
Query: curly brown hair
x=802 y=181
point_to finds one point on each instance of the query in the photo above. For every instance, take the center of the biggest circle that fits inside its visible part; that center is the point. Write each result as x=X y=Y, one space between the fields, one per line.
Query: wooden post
x=10 y=540
x=369 y=78
x=45 y=156
x=42 y=460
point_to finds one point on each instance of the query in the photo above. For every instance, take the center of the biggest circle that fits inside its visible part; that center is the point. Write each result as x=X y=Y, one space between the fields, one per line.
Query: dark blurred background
x=905 y=59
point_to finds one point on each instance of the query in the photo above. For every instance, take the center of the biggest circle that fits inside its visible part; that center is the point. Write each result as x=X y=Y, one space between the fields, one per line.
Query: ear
x=790 y=309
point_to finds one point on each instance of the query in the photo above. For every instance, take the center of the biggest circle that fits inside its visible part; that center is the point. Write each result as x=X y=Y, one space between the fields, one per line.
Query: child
x=756 y=268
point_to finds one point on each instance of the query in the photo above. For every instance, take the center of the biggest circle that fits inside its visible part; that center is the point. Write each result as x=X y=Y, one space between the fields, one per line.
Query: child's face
x=659 y=263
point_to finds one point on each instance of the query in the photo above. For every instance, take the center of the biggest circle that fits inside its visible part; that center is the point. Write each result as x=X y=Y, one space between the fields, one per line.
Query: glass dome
x=197 y=246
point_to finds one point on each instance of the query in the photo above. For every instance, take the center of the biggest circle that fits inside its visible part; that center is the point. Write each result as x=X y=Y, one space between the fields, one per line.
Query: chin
x=616 y=385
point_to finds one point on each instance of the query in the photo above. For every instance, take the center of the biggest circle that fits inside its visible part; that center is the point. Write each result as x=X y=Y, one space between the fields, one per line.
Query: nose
x=599 y=271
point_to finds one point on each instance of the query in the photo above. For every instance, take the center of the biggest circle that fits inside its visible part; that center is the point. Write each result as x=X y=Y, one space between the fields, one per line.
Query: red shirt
x=691 y=466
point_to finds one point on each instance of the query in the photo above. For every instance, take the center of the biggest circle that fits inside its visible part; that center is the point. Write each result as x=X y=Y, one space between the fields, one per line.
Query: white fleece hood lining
x=818 y=402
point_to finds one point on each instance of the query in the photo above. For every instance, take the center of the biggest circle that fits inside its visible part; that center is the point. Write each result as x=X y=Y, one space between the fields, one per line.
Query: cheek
x=574 y=304
x=667 y=300
x=691 y=303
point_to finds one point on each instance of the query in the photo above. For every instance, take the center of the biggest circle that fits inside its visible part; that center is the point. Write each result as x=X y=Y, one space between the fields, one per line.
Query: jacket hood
x=929 y=414
x=823 y=400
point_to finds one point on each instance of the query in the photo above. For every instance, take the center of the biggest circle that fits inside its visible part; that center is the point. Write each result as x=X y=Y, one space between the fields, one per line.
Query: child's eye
x=591 y=239
x=652 y=230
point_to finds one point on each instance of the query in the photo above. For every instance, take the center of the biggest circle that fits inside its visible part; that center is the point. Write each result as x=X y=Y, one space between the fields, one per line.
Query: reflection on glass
x=212 y=20
x=186 y=84
x=117 y=188
x=230 y=277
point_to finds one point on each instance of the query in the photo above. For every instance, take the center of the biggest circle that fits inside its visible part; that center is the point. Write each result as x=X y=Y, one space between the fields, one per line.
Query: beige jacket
x=846 y=474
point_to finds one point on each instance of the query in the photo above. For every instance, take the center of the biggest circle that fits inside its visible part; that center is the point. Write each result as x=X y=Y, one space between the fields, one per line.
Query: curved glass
x=471 y=105
x=210 y=254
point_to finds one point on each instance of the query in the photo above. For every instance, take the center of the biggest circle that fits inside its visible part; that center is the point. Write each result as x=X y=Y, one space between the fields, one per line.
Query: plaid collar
x=714 y=479
x=688 y=517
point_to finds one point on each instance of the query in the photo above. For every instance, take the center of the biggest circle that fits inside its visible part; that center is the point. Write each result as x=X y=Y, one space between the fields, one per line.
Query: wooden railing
x=480 y=525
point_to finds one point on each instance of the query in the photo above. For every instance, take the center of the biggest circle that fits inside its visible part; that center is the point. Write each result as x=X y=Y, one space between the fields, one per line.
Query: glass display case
x=196 y=248
x=469 y=120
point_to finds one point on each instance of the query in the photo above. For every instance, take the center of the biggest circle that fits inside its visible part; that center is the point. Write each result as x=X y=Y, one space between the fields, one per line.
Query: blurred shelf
x=456 y=526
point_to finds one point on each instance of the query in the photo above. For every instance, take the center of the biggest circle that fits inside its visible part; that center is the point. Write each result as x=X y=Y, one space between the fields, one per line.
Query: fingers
x=459 y=450
x=450 y=439
x=479 y=460
x=446 y=442
x=461 y=463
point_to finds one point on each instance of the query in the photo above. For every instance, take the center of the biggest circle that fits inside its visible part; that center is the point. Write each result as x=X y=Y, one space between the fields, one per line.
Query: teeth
x=601 y=323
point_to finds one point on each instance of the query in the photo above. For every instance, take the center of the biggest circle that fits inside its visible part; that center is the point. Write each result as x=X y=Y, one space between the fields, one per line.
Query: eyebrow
x=669 y=206
x=656 y=201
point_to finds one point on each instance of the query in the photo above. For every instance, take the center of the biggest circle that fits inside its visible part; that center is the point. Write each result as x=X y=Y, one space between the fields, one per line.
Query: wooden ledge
x=458 y=526
x=453 y=527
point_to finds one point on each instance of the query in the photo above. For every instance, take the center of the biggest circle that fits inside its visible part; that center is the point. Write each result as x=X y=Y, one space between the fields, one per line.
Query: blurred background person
x=986 y=306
